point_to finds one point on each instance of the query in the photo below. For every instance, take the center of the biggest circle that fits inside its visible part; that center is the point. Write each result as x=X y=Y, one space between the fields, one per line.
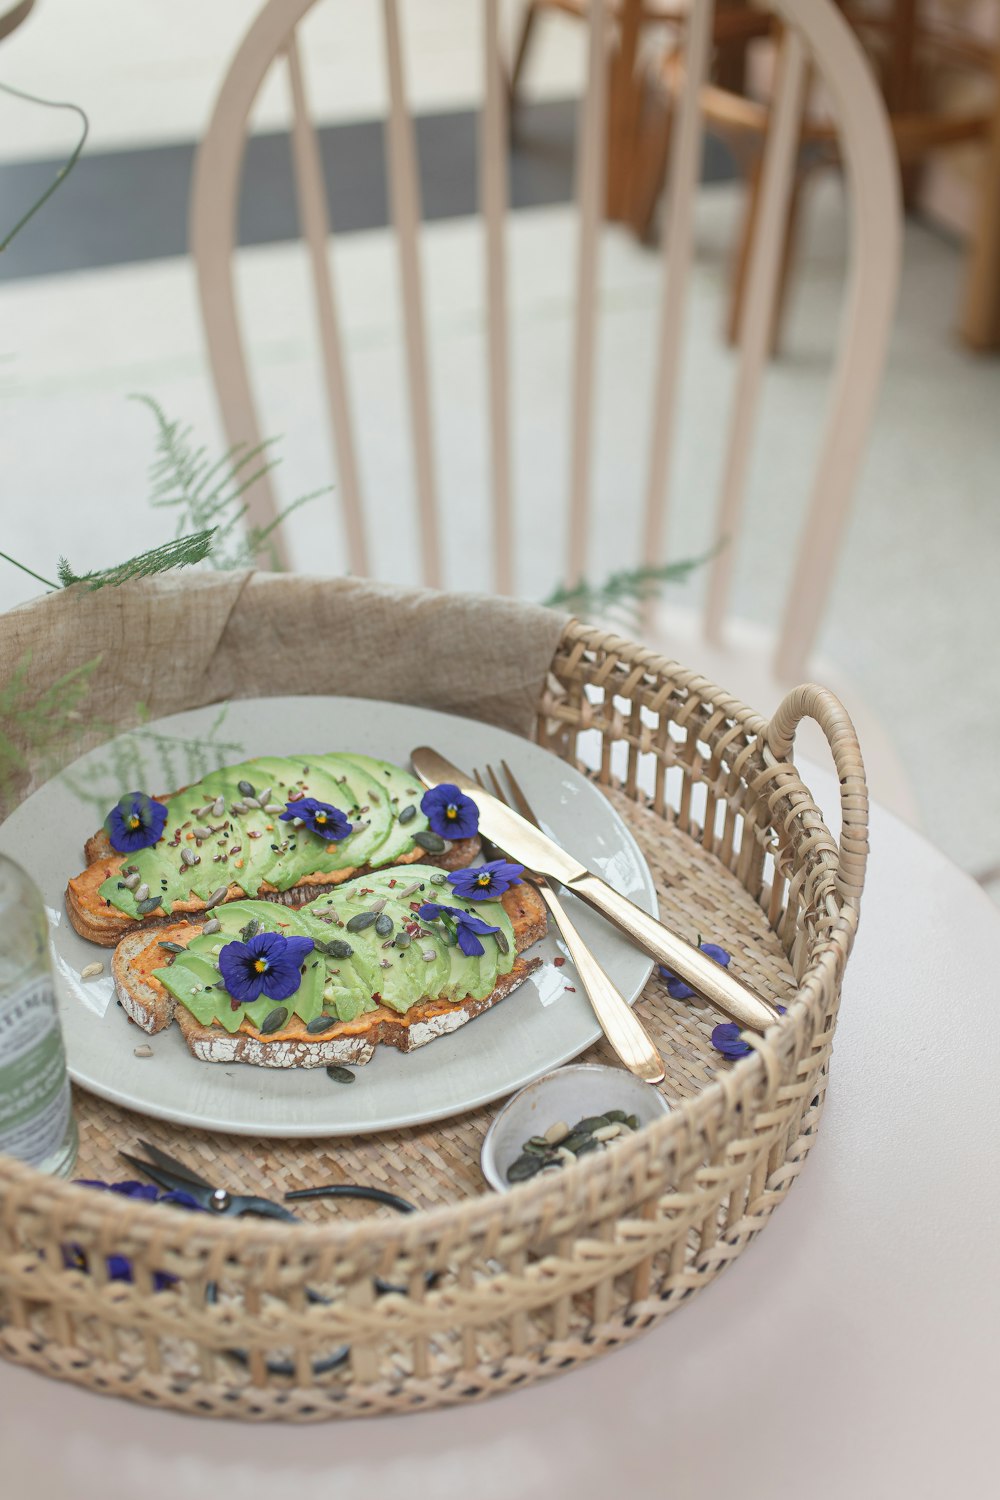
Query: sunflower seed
x=379 y=905
x=245 y=789
x=143 y=1051
x=218 y=807
x=564 y=1155
x=264 y=796
x=410 y=890
x=238 y=807
x=557 y=1133
x=523 y=1168
x=131 y=881
x=402 y=940
x=216 y=897
x=142 y=892
x=145 y=907
x=274 y=808
x=201 y=832
x=339 y=1074
x=407 y=814
x=320 y=1023
x=170 y=947
x=91 y=971
x=428 y=955
x=250 y=802
x=275 y=1019
x=337 y=948
x=429 y=841
x=500 y=938
x=361 y=921
x=212 y=925
x=607 y=1132
x=187 y=858
x=383 y=924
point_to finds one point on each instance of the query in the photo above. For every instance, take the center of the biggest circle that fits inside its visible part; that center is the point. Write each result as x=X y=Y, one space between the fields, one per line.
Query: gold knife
x=506 y=828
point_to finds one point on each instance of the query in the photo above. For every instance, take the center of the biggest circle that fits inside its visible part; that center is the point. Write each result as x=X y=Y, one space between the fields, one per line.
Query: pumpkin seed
x=170 y=947
x=320 y=1023
x=384 y=924
x=574 y=1141
x=245 y=789
x=430 y=841
x=438 y=879
x=337 y=948
x=275 y=1019
x=402 y=940
x=362 y=920
x=523 y=1168
x=590 y=1144
x=607 y=1132
x=632 y=1122
x=212 y=925
x=536 y=1146
x=339 y=1074
x=407 y=814
x=145 y=907
x=590 y=1124
x=616 y=1116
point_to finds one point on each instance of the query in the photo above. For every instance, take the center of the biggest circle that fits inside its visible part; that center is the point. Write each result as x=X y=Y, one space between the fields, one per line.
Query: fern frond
x=180 y=553
x=625 y=590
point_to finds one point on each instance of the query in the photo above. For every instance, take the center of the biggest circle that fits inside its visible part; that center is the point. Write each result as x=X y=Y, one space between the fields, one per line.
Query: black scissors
x=175 y=1177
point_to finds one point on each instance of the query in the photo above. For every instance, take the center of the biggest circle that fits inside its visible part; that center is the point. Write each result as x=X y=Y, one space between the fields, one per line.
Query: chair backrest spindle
x=494 y=196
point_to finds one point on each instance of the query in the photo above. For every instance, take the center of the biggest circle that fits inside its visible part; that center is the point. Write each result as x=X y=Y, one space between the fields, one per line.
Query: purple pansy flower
x=485 y=882
x=677 y=989
x=119 y=1267
x=468 y=929
x=266 y=965
x=450 y=813
x=727 y=1040
x=135 y=822
x=319 y=817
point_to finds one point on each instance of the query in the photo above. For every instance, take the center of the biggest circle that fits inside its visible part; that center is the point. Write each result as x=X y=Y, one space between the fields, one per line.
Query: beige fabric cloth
x=187 y=639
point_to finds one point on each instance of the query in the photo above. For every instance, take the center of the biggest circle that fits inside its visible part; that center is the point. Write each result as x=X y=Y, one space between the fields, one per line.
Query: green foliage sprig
x=623 y=592
x=208 y=493
x=180 y=553
x=36 y=727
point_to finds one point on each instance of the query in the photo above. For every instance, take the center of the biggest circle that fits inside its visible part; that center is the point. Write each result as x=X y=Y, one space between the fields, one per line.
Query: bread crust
x=152 y=1007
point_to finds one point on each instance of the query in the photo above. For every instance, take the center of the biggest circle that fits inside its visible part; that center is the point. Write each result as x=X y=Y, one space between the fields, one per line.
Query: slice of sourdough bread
x=151 y=1006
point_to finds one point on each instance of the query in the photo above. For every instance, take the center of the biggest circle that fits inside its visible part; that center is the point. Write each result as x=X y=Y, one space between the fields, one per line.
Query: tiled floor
x=914 y=614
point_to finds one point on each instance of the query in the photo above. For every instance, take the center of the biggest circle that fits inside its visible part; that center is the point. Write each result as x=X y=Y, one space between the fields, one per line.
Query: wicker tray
x=493 y=1291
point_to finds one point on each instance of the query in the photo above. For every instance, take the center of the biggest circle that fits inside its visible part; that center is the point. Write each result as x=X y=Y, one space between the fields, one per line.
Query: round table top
x=853 y=1349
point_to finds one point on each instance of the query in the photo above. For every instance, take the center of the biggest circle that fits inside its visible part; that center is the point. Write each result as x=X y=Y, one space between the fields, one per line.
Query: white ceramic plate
x=542 y=1024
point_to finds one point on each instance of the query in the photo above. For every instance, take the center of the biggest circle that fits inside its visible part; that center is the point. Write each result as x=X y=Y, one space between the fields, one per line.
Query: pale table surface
x=851 y=1353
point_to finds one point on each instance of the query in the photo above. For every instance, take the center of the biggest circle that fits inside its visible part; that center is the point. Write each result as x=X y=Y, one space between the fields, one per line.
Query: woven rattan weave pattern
x=558 y=1270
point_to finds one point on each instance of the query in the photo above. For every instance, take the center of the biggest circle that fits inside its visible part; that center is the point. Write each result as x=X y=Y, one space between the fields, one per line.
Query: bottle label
x=34 y=1087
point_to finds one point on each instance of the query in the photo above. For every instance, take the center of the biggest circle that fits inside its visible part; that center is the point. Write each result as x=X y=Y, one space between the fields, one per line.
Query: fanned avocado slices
x=377 y=970
x=200 y=851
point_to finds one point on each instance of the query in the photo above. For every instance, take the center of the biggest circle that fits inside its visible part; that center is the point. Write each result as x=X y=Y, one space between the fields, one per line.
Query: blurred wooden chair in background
x=755 y=666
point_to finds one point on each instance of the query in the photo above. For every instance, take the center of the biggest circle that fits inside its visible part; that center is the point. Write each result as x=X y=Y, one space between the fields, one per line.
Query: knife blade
x=527 y=844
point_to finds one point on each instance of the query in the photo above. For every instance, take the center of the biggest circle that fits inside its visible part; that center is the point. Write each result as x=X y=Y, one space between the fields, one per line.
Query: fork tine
x=497 y=788
x=169 y=1163
x=523 y=805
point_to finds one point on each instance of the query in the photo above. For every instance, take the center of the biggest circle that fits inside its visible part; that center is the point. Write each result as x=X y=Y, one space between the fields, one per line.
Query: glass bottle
x=36 y=1116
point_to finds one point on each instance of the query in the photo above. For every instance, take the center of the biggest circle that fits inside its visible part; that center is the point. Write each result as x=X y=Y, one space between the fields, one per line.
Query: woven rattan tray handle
x=825 y=707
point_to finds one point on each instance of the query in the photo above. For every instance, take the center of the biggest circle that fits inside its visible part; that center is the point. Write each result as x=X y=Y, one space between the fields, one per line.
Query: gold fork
x=622 y=1028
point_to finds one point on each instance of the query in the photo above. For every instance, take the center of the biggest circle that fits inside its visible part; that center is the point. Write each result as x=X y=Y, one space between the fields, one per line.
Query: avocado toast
x=231 y=836
x=377 y=971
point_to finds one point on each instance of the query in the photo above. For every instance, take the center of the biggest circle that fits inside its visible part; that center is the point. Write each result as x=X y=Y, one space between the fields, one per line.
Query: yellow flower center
x=133 y=822
x=261 y=965
x=483 y=880
x=321 y=817
x=451 y=810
